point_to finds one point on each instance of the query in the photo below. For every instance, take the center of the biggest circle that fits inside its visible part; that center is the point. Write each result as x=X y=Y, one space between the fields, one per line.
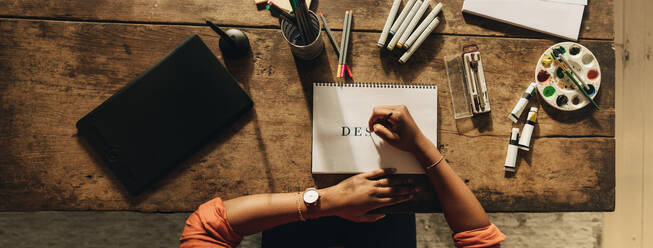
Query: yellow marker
x=399 y=45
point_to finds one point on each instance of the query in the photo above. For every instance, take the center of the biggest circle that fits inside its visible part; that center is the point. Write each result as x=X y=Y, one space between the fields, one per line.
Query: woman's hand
x=395 y=125
x=352 y=198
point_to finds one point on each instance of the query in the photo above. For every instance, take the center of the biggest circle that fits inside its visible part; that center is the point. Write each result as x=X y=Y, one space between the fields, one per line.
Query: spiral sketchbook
x=342 y=141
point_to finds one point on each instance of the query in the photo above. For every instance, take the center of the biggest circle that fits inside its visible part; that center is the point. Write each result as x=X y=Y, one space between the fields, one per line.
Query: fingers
x=371 y=217
x=388 y=182
x=396 y=191
x=393 y=200
x=385 y=133
x=381 y=114
x=378 y=173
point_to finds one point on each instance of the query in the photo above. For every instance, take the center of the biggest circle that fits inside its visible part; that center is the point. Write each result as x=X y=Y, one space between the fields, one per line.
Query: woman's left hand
x=354 y=197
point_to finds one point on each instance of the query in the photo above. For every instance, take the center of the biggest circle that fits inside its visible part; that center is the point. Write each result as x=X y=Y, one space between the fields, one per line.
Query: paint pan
x=556 y=88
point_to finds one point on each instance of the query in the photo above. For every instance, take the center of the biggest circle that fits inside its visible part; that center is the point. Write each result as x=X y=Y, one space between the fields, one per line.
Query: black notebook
x=164 y=115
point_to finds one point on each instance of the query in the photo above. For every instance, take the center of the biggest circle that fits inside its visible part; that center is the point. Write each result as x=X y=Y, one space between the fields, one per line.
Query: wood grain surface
x=52 y=73
x=369 y=15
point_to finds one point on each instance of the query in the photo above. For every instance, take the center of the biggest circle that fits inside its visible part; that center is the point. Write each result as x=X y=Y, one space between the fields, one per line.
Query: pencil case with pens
x=469 y=94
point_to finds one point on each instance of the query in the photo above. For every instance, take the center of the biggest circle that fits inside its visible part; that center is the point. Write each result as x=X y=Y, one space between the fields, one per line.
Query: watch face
x=310 y=196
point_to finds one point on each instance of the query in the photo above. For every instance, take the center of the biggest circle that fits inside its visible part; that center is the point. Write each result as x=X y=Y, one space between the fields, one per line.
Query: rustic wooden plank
x=53 y=73
x=634 y=174
x=597 y=23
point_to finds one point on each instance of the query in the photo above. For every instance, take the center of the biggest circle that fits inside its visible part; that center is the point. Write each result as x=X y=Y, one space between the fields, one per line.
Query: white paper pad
x=341 y=144
x=550 y=17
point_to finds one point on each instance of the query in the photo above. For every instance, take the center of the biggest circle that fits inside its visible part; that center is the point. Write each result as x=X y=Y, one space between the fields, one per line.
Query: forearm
x=461 y=208
x=255 y=213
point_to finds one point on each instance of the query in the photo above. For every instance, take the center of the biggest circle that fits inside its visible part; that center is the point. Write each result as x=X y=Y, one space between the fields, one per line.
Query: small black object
x=233 y=43
x=164 y=115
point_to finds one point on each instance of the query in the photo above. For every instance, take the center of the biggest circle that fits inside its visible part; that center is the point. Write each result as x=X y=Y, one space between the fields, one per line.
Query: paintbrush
x=580 y=79
x=558 y=60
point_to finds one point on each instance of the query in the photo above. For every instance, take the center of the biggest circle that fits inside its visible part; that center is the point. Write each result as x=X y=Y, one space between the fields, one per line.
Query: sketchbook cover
x=342 y=142
x=554 y=17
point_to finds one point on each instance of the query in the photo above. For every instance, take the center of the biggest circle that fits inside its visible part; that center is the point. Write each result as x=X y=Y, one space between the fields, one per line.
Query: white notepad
x=342 y=143
x=560 y=18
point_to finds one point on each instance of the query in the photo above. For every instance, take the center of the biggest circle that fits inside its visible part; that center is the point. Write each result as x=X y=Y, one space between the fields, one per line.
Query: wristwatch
x=310 y=197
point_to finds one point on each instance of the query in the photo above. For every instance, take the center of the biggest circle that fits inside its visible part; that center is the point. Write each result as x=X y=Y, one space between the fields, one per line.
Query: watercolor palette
x=556 y=88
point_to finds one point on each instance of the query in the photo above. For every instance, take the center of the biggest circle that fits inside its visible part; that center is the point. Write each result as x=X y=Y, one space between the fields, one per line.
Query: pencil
x=328 y=31
x=307 y=21
x=384 y=121
x=300 y=22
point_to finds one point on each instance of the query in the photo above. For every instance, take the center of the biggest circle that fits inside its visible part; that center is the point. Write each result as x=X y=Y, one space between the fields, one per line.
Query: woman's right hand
x=395 y=125
x=354 y=197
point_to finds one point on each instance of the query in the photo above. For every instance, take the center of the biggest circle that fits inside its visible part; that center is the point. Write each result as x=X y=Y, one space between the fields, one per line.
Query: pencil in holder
x=300 y=50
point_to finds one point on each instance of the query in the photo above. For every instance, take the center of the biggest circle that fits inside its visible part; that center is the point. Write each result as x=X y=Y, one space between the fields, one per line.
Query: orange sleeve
x=489 y=236
x=208 y=227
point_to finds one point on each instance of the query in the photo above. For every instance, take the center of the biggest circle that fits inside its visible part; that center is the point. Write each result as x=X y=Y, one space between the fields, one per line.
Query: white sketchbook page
x=579 y=2
x=335 y=107
x=553 y=18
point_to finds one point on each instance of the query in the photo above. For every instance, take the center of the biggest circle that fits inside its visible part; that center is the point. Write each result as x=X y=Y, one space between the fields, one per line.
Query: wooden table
x=60 y=59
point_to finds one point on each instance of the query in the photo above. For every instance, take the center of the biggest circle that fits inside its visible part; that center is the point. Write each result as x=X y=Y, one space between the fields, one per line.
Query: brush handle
x=573 y=79
x=570 y=74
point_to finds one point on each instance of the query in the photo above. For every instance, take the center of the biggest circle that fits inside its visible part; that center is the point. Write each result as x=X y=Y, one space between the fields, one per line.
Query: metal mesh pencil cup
x=305 y=52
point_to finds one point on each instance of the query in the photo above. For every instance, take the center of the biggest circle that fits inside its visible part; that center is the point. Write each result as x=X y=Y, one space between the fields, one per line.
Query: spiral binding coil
x=376 y=85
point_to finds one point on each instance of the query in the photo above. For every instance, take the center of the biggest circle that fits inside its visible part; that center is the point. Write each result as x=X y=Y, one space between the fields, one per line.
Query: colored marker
x=511 y=156
x=419 y=41
x=422 y=26
x=402 y=16
x=527 y=131
x=274 y=8
x=345 y=50
x=388 y=23
x=413 y=23
x=342 y=44
x=521 y=104
x=403 y=26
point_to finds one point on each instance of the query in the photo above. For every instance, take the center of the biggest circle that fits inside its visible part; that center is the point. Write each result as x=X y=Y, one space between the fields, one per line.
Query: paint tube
x=511 y=156
x=527 y=131
x=521 y=104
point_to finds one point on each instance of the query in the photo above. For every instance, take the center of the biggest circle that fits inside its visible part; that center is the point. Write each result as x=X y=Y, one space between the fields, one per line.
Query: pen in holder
x=292 y=35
